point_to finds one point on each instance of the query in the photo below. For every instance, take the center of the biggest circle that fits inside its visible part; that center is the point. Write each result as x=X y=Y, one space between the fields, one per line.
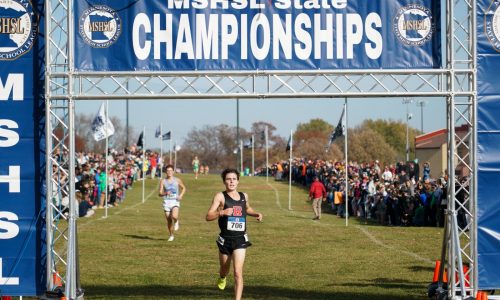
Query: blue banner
x=172 y=35
x=488 y=139
x=22 y=149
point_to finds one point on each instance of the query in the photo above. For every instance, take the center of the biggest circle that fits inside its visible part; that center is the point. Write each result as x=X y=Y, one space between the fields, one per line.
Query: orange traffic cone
x=435 y=278
x=466 y=276
x=481 y=295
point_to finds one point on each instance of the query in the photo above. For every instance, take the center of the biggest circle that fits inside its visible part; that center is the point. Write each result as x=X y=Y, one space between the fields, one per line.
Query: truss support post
x=458 y=255
x=462 y=169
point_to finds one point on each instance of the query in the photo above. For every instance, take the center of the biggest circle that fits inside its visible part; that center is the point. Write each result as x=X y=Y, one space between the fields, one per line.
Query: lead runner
x=231 y=209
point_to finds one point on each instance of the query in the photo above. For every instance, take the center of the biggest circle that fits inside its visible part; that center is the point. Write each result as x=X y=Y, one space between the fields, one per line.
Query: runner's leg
x=174 y=216
x=225 y=263
x=238 y=261
x=169 y=222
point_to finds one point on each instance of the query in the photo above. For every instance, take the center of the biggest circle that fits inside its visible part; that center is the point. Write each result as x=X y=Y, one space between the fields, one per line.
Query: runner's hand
x=259 y=217
x=227 y=211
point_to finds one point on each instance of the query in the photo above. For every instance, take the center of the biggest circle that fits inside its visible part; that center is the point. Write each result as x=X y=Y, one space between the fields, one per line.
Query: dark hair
x=169 y=166
x=228 y=171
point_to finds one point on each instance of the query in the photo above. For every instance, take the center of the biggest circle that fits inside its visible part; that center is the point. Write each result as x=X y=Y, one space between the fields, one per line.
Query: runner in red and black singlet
x=231 y=209
x=234 y=225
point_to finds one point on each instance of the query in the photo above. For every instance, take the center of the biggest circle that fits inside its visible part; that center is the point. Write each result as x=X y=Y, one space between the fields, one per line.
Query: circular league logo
x=492 y=25
x=100 y=26
x=18 y=28
x=413 y=25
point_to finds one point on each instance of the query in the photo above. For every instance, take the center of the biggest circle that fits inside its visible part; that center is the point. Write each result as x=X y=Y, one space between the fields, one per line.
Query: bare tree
x=214 y=145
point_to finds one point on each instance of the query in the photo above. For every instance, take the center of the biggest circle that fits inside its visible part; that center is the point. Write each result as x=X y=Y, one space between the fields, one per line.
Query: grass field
x=127 y=256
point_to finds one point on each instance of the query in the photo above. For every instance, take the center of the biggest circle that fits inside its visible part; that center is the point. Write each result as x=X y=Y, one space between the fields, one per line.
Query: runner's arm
x=161 y=194
x=251 y=212
x=214 y=212
x=183 y=189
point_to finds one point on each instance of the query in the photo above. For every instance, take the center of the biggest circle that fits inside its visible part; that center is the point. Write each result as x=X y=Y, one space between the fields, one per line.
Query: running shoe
x=221 y=283
x=171 y=238
x=176 y=225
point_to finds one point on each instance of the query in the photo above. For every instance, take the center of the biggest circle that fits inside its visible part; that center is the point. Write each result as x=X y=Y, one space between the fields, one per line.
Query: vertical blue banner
x=488 y=148
x=22 y=149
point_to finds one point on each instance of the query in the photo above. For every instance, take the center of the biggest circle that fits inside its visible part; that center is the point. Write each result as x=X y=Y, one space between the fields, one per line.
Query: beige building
x=432 y=147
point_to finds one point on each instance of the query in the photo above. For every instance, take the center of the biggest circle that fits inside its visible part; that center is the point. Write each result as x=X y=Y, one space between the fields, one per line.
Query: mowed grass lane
x=127 y=256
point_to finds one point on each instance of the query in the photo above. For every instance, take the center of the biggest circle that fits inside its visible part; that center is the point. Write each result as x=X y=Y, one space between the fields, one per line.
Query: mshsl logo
x=18 y=28
x=492 y=25
x=413 y=25
x=100 y=26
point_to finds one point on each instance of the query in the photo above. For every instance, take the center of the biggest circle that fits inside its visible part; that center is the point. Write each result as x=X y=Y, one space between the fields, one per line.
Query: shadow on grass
x=421 y=269
x=140 y=237
x=298 y=217
x=386 y=283
x=210 y=292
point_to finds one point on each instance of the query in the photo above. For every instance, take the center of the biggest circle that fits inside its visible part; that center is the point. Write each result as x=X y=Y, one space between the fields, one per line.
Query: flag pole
x=175 y=156
x=143 y=161
x=241 y=156
x=160 y=161
x=267 y=156
x=106 y=157
x=346 y=169
x=290 y=173
x=170 y=147
x=253 y=156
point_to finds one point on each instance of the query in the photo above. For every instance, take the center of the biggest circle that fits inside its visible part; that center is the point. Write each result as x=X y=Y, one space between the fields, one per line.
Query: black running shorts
x=228 y=244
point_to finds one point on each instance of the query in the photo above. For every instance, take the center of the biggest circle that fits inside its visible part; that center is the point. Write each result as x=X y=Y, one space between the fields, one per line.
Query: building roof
x=436 y=139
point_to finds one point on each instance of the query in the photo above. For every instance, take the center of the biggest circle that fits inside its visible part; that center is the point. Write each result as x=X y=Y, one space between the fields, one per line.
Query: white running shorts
x=168 y=205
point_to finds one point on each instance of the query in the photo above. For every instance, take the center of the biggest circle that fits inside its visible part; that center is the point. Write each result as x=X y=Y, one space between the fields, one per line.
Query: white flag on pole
x=102 y=128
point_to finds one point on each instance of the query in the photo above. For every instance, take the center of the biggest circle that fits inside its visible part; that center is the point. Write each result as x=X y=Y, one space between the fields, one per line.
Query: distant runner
x=231 y=209
x=169 y=190
x=196 y=166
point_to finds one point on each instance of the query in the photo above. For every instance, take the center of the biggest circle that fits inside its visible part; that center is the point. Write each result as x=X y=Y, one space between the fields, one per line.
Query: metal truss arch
x=456 y=82
x=281 y=84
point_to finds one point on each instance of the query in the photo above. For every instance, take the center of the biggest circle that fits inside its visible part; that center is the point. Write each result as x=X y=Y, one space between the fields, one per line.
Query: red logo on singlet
x=237 y=211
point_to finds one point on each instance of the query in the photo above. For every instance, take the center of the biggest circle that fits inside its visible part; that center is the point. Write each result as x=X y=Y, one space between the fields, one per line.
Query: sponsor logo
x=492 y=25
x=100 y=26
x=413 y=25
x=18 y=28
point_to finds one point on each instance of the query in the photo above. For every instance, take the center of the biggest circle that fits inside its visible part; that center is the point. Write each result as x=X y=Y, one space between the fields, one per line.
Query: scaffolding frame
x=456 y=82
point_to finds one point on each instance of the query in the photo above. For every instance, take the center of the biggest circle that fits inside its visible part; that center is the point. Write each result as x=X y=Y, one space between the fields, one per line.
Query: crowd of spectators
x=124 y=168
x=394 y=194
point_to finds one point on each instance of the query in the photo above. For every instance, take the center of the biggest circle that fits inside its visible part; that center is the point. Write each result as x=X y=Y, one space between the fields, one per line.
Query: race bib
x=172 y=196
x=235 y=224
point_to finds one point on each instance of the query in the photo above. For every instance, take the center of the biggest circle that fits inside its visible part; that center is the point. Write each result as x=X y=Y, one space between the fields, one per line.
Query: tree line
x=216 y=145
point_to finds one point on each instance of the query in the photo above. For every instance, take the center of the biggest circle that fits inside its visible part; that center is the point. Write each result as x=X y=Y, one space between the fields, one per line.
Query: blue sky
x=181 y=116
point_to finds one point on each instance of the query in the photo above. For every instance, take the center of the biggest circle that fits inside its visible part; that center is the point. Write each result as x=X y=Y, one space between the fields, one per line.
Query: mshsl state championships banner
x=22 y=149
x=488 y=141
x=170 y=35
